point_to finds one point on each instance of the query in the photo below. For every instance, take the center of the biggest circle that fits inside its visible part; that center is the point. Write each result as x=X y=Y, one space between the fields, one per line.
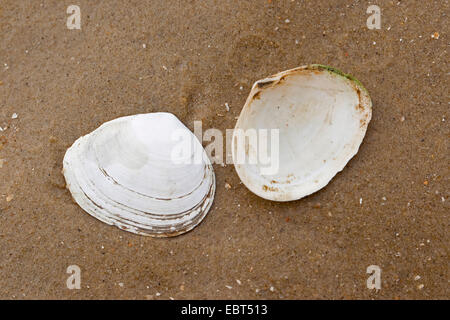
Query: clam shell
x=125 y=174
x=322 y=115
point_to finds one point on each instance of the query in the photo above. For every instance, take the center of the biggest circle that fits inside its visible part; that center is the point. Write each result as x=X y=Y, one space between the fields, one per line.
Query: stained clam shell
x=127 y=173
x=321 y=115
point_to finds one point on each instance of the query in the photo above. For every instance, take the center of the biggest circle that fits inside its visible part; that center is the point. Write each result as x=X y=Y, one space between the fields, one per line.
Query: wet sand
x=389 y=207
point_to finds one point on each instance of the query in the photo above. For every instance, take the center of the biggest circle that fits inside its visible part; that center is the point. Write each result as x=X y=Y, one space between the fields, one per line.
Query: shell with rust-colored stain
x=147 y=174
x=315 y=119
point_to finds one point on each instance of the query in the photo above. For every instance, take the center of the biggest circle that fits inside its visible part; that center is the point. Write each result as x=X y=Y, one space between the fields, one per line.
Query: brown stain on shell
x=257 y=96
x=267 y=188
x=265 y=84
x=359 y=106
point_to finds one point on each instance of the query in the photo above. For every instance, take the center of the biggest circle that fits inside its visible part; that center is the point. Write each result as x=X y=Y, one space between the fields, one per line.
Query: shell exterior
x=322 y=116
x=123 y=174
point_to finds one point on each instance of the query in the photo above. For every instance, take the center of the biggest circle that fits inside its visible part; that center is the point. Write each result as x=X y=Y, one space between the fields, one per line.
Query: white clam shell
x=322 y=116
x=126 y=173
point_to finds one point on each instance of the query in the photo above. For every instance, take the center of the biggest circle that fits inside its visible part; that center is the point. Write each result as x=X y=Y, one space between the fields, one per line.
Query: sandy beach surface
x=389 y=207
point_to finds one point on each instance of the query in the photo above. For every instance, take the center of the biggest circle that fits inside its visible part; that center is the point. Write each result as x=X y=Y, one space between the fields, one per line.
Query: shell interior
x=321 y=116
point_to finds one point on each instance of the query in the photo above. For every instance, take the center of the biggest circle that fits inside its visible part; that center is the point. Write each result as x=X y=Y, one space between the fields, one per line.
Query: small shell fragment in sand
x=227 y=186
x=2 y=162
x=14 y=116
x=435 y=35
x=9 y=197
x=227 y=106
